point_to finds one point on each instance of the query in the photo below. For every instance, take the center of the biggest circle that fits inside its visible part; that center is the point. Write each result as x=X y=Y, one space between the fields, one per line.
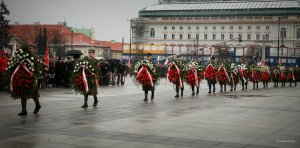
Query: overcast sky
x=107 y=17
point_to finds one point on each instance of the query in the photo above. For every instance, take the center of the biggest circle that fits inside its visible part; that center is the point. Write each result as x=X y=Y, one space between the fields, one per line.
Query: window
x=205 y=36
x=222 y=37
x=197 y=36
x=298 y=33
x=197 y=27
x=257 y=27
x=223 y=28
x=189 y=36
x=231 y=27
x=267 y=37
x=181 y=28
x=189 y=27
x=152 y=33
x=180 y=36
x=248 y=36
x=283 y=32
x=173 y=36
x=240 y=36
x=165 y=28
x=165 y=36
x=173 y=27
x=257 y=36
x=205 y=27
x=214 y=37
x=267 y=27
x=249 y=27
x=240 y=27
x=214 y=27
x=230 y=36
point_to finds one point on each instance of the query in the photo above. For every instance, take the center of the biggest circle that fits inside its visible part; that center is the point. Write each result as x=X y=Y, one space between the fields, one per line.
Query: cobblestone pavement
x=254 y=118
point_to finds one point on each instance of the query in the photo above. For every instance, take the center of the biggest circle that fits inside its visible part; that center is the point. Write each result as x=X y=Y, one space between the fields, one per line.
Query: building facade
x=243 y=31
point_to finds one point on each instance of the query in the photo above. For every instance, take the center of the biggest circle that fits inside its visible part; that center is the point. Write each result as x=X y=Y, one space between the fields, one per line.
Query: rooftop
x=220 y=8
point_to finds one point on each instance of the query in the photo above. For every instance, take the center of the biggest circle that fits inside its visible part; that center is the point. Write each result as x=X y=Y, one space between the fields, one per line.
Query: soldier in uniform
x=35 y=96
x=91 y=53
x=147 y=88
x=211 y=74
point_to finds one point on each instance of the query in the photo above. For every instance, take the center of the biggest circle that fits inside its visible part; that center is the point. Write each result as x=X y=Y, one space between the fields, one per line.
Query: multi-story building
x=241 y=30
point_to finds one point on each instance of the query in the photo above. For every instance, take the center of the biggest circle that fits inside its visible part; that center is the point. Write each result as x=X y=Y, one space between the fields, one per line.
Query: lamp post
x=130 y=37
x=278 y=39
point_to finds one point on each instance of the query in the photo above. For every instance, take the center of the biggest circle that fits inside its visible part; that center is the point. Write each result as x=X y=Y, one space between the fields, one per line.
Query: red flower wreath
x=265 y=76
x=144 y=76
x=210 y=72
x=282 y=76
x=173 y=75
x=223 y=76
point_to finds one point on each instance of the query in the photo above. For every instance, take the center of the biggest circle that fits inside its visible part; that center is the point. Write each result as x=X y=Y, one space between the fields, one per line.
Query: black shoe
x=37 y=108
x=146 y=99
x=84 y=106
x=152 y=97
x=231 y=90
x=177 y=96
x=197 y=92
x=221 y=90
x=23 y=113
x=95 y=103
x=209 y=92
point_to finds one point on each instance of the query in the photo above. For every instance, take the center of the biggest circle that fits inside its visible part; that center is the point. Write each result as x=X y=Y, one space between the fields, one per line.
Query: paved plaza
x=261 y=118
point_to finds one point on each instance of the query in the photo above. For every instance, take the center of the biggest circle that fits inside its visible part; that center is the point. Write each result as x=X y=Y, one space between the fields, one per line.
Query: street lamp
x=278 y=39
x=130 y=36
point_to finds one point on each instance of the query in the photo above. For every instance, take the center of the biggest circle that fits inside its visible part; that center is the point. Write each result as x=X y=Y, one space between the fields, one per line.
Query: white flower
x=90 y=66
x=21 y=51
x=93 y=69
x=27 y=54
x=31 y=64
x=32 y=58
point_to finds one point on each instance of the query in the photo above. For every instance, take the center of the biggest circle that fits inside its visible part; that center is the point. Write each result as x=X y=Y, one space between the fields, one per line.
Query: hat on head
x=91 y=50
x=148 y=54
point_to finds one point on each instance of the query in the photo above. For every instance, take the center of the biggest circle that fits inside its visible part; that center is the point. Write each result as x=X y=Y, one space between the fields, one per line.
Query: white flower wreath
x=147 y=63
x=21 y=58
x=85 y=64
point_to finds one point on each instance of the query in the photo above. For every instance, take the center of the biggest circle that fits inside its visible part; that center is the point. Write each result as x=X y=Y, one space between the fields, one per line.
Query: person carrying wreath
x=146 y=74
x=244 y=75
x=24 y=70
x=291 y=76
x=175 y=75
x=85 y=78
x=223 y=77
x=210 y=74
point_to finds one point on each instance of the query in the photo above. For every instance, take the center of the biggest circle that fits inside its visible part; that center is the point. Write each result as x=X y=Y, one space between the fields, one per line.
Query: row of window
x=283 y=33
x=215 y=27
x=214 y=36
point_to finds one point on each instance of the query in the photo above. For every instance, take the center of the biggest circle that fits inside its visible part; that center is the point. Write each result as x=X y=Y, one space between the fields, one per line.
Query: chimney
x=113 y=41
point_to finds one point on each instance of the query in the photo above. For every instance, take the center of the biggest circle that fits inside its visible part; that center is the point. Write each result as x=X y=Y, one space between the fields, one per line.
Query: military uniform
x=35 y=93
x=94 y=91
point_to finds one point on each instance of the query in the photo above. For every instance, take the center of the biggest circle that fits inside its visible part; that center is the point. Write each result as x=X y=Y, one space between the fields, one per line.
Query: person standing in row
x=85 y=78
x=146 y=74
x=24 y=70
x=210 y=74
